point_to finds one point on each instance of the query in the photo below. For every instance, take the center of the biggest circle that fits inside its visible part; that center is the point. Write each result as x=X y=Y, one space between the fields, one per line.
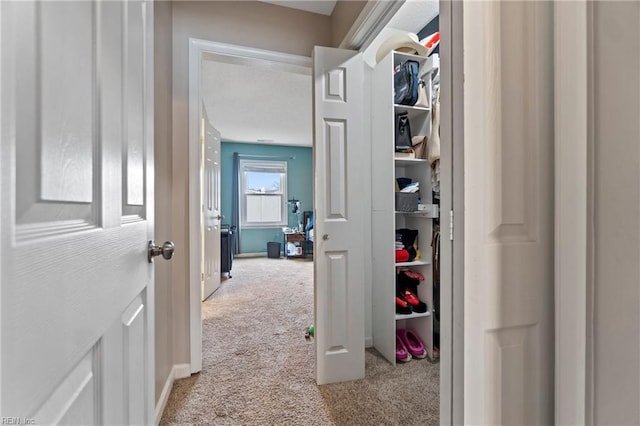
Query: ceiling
x=414 y=15
x=261 y=103
x=323 y=7
x=258 y=101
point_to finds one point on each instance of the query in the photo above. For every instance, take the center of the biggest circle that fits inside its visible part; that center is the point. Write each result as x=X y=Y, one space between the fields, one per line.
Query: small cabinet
x=386 y=219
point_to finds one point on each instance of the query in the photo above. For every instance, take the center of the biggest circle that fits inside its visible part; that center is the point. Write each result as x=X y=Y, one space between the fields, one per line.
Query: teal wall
x=299 y=186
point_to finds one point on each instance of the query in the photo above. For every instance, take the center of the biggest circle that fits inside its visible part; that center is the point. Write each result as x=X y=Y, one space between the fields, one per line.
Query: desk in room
x=296 y=238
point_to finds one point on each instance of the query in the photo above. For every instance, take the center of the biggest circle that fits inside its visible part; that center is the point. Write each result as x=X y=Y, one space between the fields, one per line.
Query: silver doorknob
x=166 y=250
x=325 y=237
x=220 y=217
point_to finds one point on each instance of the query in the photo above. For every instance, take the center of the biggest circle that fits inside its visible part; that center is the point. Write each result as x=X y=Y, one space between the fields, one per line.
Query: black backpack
x=405 y=83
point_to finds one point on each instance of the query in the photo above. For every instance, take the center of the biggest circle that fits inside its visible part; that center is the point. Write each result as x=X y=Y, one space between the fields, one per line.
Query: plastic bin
x=273 y=250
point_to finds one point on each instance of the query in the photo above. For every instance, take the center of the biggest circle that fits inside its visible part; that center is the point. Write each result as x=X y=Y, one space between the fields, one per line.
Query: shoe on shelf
x=402 y=354
x=416 y=304
x=411 y=342
x=402 y=307
x=414 y=275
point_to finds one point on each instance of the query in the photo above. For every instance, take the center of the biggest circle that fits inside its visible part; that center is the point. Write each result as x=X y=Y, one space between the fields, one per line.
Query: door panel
x=71 y=263
x=338 y=223
x=65 y=100
x=508 y=182
x=73 y=401
x=134 y=118
x=211 y=208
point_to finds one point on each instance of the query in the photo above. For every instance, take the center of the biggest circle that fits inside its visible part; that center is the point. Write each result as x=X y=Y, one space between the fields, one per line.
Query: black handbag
x=403 y=132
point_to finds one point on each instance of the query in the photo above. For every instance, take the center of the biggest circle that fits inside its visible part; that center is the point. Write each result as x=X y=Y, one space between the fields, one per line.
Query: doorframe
x=452 y=224
x=198 y=48
x=573 y=212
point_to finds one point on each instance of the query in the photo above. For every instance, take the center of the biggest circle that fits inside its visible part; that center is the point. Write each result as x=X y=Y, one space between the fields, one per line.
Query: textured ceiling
x=258 y=103
x=323 y=7
x=414 y=15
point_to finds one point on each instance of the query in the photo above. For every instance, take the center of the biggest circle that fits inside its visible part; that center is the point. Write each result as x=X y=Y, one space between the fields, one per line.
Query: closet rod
x=264 y=156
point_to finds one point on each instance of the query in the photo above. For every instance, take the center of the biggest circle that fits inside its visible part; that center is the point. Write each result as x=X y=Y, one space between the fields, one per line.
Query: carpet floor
x=257 y=366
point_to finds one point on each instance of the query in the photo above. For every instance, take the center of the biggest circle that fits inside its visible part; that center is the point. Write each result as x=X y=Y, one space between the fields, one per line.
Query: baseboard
x=368 y=342
x=249 y=255
x=179 y=371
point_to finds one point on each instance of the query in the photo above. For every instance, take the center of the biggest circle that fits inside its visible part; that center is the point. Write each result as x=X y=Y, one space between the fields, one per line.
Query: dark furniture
x=227 y=248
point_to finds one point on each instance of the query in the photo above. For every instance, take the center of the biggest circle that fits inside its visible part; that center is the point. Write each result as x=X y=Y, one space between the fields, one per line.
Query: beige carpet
x=258 y=367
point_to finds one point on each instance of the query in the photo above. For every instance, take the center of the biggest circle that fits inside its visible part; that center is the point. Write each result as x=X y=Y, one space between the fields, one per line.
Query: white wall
x=615 y=194
x=342 y=18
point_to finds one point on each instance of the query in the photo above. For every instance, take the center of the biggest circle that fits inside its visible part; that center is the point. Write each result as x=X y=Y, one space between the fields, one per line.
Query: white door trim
x=452 y=199
x=374 y=17
x=197 y=50
x=572 y=211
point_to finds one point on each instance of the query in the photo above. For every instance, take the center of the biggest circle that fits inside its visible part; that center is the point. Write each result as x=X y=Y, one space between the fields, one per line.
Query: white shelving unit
x=385 y=219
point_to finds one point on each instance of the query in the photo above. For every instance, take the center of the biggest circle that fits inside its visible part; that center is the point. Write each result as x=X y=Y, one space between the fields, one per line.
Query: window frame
x=258 y=166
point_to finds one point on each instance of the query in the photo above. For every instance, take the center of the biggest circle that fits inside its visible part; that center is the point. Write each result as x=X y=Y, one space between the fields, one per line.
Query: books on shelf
x=405 y=154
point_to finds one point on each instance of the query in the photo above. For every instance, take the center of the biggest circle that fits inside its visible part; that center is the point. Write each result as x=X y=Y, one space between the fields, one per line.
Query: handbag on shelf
x=403 y=132
x=423 y=98
x=405 y=83
x=420 y=146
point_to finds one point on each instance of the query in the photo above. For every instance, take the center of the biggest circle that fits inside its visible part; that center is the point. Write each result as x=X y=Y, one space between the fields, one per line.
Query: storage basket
x=407 y=201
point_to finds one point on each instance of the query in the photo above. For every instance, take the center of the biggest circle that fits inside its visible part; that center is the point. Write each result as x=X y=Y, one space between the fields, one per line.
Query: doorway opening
x=246 y=104
x=196 y=342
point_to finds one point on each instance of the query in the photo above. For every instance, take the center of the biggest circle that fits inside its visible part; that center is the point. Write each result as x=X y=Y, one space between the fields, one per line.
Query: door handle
x=220 y=217
x=325 y=237
x=166 y=250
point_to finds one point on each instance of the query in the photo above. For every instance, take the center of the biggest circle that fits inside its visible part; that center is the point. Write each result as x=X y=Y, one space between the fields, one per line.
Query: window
x=263 y=193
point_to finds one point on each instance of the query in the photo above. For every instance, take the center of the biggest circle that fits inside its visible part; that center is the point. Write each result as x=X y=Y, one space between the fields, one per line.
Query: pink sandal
x=412 y=343
x=401 y=351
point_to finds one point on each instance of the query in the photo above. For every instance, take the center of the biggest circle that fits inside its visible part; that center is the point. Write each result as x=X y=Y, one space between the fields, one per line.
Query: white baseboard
x=368 y=342
x=249 y=255
x=179 y=371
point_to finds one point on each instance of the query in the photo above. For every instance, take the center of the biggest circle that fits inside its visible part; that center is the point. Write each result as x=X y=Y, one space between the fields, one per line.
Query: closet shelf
x=419 y=213
x=412 y=315
x=403 y=161
x=412 y=111
x=414 y=263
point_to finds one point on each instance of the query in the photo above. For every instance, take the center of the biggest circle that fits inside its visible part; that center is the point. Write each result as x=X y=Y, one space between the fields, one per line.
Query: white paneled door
x=211 y=207
x=508 y=216
x=339 y=216
x=76 y=182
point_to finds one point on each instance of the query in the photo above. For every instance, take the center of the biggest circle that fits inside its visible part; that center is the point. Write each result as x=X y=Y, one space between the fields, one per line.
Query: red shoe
x=415 y=303
x=402 y=307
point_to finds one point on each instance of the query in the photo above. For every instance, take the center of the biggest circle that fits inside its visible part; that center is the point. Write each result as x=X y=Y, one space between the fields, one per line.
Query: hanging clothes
x=433 y=148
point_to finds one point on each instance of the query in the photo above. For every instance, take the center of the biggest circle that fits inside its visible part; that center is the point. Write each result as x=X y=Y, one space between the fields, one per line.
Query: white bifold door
x=76 y=190
x=338 y=217
x=508 y=217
